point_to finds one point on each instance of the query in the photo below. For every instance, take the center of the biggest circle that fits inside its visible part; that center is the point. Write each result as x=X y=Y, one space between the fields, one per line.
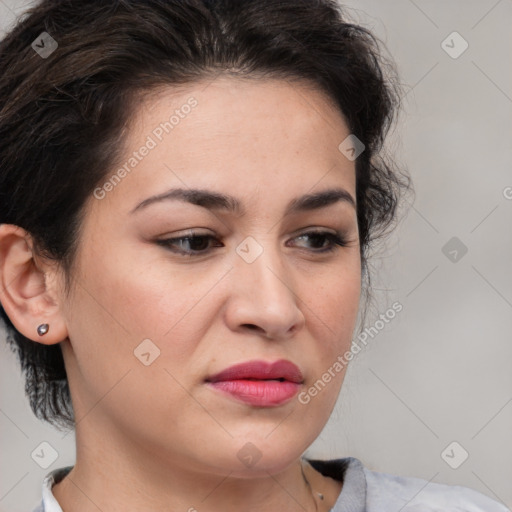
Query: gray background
x=440 y=371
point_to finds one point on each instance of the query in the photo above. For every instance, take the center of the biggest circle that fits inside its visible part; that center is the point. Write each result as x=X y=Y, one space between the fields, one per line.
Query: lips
x=260 y=370
x=258 y=383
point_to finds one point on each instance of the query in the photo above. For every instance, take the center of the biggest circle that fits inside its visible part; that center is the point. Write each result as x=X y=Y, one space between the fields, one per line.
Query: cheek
x=171 y=308
x=109 y=321
x=333 y=307
x=332 y=310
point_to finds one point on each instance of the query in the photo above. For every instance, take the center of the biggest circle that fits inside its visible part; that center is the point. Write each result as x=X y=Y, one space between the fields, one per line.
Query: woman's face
x=148 y=323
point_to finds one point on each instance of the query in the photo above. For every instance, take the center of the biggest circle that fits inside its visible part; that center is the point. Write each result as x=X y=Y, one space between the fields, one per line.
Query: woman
x=189 y=193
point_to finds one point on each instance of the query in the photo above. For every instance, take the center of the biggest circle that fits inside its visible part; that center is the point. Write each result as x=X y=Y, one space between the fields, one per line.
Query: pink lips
x=259 y=383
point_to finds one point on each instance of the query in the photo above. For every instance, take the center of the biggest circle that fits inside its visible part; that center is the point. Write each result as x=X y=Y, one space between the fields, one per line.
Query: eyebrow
x=217 y=201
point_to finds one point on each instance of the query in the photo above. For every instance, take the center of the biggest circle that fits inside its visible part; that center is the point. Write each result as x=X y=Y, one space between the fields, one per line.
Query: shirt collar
x=350 y=470
x=49 y=503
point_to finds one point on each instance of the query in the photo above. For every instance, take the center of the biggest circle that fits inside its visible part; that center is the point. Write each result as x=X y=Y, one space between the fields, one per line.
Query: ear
x=29 y=290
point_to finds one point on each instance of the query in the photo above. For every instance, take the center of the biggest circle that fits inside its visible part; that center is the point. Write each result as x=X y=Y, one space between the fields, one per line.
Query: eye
x=335 y=240
x=198 y=245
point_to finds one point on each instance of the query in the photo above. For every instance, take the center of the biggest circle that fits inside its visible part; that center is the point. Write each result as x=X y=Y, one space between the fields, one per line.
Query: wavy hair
x=63 y=118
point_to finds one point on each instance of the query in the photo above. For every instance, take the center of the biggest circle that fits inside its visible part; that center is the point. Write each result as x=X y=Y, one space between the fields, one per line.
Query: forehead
x=268 y=110
x=247 y=137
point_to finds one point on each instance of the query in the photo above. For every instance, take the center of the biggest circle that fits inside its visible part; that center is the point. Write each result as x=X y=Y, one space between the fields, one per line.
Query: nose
x=264 y=297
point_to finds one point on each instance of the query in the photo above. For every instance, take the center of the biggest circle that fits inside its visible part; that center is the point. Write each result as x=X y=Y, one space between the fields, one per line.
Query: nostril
x=253 y=327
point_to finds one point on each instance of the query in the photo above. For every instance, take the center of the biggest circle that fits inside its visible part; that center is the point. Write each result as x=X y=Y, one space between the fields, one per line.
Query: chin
x=263 y=454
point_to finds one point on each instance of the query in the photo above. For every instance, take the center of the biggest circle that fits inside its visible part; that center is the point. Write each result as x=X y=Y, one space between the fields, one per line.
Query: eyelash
x=336 y=239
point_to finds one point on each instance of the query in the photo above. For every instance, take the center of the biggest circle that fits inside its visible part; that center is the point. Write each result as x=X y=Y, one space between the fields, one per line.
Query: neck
x=118 y=475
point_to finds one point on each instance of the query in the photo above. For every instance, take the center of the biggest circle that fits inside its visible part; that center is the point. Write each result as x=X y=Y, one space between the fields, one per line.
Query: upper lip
x=260 y=370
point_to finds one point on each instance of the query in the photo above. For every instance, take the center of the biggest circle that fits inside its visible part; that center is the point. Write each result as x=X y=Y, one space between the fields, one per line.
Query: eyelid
x=337 y=238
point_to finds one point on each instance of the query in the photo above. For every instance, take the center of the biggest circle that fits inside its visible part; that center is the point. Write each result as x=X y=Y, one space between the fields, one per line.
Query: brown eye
x=199 y=245
x=335 y=240
x=194 y=245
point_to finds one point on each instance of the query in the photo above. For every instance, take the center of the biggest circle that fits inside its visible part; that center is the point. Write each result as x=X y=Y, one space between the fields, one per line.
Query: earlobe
x=25 y=291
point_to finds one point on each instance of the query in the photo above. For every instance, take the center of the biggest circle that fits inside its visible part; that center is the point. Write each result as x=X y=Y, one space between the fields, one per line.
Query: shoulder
x=418 y=495
x=366 y=490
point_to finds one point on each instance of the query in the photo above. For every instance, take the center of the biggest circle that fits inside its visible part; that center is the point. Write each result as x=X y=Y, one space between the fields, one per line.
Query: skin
x=156 y=437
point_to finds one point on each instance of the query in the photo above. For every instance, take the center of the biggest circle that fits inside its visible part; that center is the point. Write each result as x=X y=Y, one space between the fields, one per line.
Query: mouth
x=281 y=370
x=259 y=383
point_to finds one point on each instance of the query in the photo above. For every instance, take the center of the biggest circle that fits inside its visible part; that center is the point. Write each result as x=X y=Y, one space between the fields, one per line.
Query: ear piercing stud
x=42 y=329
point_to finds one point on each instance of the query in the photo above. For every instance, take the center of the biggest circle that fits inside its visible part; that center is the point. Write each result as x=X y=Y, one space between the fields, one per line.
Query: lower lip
x=263 y=393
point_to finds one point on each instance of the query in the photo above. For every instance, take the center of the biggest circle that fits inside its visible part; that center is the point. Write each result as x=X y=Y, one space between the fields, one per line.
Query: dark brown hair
x=63 y=117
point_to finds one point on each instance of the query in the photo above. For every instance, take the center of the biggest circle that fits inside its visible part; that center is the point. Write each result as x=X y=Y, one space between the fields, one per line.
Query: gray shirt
x=364 y=490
